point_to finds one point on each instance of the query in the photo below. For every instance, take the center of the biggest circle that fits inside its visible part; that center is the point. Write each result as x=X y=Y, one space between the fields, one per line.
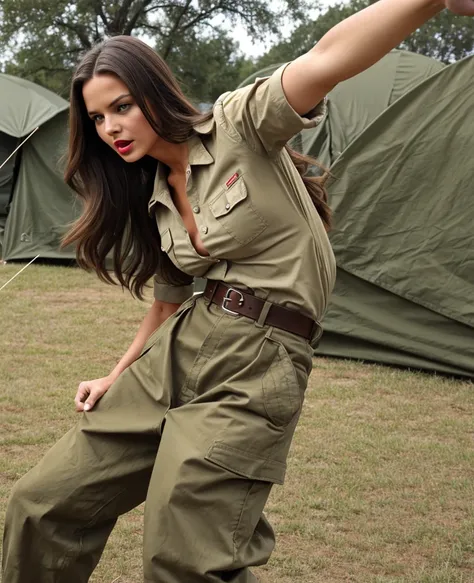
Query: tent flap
x=42 y=205
x=367 y=322
x=403 y=197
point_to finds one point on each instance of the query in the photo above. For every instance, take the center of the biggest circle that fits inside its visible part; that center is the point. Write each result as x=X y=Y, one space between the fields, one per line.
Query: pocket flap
x=226 y=200
x=246 y=464
x=166 y=241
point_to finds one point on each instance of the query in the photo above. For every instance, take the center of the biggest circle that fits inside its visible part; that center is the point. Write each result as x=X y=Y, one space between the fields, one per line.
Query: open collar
x=198 y=155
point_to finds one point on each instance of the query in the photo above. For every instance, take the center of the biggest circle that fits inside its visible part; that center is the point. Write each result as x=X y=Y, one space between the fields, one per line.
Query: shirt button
x=196 y=210
x=204 y=230
x=227 y=206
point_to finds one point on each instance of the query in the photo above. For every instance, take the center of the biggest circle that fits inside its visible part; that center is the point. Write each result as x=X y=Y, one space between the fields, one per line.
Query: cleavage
x=181 y=202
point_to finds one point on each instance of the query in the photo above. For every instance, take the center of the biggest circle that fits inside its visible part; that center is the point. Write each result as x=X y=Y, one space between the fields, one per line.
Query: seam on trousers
x=189 y=386
x=216 y=347
x=239 y=521
x=278 y=383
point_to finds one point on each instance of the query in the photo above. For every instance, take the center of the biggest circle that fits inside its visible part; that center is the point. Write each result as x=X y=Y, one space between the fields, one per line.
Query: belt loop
x=260 y=323
x=213 y=292
x=316 y=333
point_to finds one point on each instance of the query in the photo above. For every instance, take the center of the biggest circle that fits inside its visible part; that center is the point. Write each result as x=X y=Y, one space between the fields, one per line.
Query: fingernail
x=87 y=407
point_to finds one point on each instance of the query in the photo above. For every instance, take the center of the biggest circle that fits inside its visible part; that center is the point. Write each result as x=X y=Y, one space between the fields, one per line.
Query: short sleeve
x=261 y=115
x=173 y=294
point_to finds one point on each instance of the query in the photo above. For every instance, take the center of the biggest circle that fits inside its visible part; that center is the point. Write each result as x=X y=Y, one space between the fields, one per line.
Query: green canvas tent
x=398 y=140
x=35 y=204
x=403 y=204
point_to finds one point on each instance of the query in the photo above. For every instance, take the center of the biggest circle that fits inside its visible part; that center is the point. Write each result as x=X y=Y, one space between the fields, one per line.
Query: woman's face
x=119 y=121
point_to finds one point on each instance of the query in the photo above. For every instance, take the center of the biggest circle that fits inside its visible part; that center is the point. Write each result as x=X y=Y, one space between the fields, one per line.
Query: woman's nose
x=111 y=126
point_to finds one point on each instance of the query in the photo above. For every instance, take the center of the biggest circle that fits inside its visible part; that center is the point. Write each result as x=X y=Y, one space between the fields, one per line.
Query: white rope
x=3 y=164
x=16 y=274
x=18 y=147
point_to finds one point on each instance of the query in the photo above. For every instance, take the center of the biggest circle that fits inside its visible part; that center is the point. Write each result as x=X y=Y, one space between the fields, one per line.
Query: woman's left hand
x=461 y=7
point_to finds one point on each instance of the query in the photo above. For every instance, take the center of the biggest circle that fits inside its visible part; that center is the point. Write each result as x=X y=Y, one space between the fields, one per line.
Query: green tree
x=306 y=35
x=42 y=39
x=447 y=37
x=207 y=67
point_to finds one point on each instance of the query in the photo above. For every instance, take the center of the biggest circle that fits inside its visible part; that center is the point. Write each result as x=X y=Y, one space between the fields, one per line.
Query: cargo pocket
x=246 y=463
x=234 y=211
x=258 y=475
x=282 y=394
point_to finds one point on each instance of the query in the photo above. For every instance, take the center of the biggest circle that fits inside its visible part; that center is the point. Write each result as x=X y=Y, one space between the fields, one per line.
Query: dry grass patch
x=381 y=473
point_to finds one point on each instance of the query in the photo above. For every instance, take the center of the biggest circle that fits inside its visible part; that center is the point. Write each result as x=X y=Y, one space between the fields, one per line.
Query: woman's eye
x=97 y=118
x=123 y=107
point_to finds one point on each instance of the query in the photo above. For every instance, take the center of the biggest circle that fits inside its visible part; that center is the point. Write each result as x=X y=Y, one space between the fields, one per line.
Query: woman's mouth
x=123 y=146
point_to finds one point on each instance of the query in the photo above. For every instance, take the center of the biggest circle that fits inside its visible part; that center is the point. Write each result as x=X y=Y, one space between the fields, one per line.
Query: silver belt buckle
x=227 y=299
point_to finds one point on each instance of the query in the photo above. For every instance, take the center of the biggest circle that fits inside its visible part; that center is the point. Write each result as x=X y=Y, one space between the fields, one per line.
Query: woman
x=198 y=415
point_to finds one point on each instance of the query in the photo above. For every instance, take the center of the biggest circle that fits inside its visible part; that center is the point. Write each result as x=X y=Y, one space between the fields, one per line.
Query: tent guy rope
x=18 y=147
x=16 y=274
x=3 y=164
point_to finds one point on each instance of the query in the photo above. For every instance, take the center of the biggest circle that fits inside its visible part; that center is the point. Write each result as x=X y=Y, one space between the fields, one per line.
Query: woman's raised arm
x=357 y=43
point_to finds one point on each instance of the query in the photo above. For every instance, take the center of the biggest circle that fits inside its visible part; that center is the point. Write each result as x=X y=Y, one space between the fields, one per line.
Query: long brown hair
x=314 y=184
x=115 y=222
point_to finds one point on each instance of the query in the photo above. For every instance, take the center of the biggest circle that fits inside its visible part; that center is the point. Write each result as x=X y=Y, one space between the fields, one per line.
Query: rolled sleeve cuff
x=292 y=121
x=173 y=294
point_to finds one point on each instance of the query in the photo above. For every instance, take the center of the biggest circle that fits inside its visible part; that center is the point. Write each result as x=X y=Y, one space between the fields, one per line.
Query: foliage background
x=41 y=40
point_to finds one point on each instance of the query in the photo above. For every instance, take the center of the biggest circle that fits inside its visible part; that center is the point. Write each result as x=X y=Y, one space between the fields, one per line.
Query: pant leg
x=203 y=514
x=61 y=513
x=220 y=454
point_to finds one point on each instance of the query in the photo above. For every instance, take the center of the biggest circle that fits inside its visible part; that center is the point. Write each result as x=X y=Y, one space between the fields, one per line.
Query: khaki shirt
x=253 y=212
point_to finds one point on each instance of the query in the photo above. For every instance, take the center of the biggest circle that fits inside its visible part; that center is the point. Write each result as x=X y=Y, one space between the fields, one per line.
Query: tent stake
x=22 y=269
x=18 y=147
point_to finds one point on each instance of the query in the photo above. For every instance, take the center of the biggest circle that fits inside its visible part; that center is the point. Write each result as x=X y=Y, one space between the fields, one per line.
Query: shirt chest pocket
x=168 y=246
x=234 y=211
x=166 y=241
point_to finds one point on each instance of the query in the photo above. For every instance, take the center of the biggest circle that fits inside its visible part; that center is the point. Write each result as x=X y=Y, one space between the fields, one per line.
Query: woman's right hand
x=89 y=392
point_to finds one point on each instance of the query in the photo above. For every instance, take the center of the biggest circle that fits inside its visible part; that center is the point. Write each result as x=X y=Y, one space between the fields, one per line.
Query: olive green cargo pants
x=199 y=427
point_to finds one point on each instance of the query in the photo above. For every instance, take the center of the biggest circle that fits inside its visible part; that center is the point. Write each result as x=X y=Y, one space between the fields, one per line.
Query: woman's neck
x=175 y=156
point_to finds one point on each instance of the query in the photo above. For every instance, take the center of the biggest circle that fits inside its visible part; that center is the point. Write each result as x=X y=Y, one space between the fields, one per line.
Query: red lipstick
x=123 y=146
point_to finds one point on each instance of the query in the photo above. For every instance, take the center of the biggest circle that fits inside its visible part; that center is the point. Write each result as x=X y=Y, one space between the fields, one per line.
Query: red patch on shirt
x=231 y=180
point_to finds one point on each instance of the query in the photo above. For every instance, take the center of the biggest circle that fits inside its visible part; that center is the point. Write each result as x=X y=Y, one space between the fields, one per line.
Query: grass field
x=380 y=485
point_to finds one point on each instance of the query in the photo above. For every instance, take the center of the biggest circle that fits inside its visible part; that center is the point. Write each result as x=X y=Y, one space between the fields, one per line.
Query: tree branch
x=99 y=10
x=67 y=52
x=155 y=28
x=139 y=11
x=79 y=30
x=120 y=18
x=47 y=69
x=157 y=7
x=203 y=15
x=169 y=41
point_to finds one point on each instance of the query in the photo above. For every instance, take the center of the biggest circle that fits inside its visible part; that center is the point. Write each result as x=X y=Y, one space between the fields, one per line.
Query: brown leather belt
x=237 y=302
